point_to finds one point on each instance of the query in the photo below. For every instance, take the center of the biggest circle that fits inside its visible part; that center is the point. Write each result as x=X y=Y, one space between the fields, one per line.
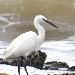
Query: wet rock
x=35 y=59
x=54 y=65
x=72 y=68
x=1 y=61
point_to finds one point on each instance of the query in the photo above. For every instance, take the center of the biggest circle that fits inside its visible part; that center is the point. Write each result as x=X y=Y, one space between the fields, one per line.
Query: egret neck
x=41 y=33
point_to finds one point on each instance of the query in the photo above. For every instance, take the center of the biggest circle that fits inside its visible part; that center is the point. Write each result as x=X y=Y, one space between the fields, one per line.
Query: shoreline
x=12 y=71
x=9 y=66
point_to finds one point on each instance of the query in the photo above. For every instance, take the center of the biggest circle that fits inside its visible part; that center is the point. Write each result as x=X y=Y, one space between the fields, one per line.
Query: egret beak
x=50 y=23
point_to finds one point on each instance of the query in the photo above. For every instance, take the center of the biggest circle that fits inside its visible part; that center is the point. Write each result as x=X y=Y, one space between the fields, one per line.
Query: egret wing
x=23 y=44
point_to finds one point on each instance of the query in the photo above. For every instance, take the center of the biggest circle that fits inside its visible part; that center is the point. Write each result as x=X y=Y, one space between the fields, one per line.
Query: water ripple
x=10 y=20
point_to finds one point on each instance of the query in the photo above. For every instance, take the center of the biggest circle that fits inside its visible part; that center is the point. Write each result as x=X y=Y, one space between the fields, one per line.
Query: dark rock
x=72 y=68
x=54 y=65
x=15 y=60
x=1 y=61
x=35 y=59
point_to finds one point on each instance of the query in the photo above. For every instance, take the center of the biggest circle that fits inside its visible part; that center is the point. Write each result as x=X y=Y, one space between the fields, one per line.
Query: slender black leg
x=25 y=69
x=19 y=69
x=25 y=64
x=20 y=63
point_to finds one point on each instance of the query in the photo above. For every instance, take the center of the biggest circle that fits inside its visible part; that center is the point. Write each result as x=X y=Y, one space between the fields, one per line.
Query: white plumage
x=27 y=42
x=21 y=46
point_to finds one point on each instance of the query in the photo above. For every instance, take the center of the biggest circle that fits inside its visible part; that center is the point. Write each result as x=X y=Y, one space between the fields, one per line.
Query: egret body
x=27 y=42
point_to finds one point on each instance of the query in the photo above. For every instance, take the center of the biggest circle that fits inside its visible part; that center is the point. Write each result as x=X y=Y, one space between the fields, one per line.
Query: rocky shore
x=37 y=60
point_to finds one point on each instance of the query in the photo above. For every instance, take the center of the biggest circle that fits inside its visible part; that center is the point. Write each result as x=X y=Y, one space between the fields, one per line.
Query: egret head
x=41 y=19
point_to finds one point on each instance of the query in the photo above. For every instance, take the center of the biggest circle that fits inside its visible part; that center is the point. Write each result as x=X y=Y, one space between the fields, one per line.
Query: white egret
x=27 y=42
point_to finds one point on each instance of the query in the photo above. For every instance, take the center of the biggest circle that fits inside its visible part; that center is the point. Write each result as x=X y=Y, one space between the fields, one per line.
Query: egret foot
x=21 y=61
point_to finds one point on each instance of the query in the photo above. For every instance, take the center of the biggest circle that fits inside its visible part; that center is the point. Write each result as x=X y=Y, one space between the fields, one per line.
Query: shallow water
x=12 y=70
x=16 y=17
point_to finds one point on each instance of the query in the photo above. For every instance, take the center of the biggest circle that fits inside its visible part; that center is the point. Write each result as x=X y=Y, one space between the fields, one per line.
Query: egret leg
x=25 y=64
x=18 y=69
x=19 y=62
x=25 y=69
